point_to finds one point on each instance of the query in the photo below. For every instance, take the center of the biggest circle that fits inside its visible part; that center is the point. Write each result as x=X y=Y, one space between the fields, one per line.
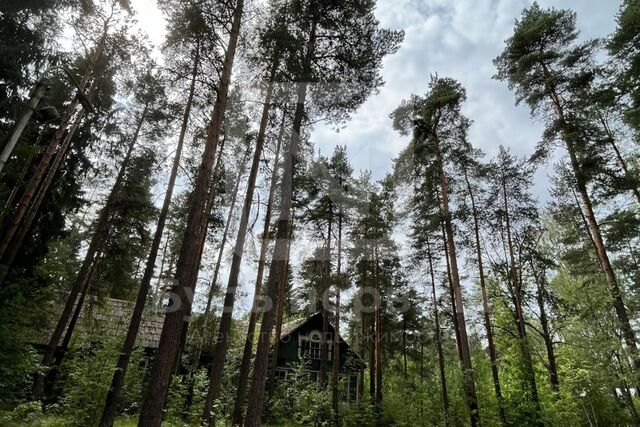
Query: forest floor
x=59 y=421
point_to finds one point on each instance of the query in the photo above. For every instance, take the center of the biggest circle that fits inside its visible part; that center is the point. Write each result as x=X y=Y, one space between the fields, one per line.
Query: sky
x=454 y=38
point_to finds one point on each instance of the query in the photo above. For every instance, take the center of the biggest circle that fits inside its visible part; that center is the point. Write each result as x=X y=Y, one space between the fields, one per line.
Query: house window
x=311 y=345
x=280 y=374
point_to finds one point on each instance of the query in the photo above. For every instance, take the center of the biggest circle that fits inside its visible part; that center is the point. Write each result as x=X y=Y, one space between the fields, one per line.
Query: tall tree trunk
x=378 y=339
x=28 y=163
x=486 y=311
x=626 y=392
x=64 y=346
x=208 y=313
x=40 y=196
x=597 y=240
x=546 y=335
x=95 y=246
x=279 y=261
x=363 y=334
x=19 y=213
x=621 y=161
x=163 y=260
x=188 y=260
x=517 y=290
x=241 y=391
x=436 y=320
x=372 y=361
x=222 y=341
x=213 y=287
x=452 y=296
x=117 y=381
x=336 y=334
x=404 y=347
x=467 y=368
x=324 y=346
x=279 y=321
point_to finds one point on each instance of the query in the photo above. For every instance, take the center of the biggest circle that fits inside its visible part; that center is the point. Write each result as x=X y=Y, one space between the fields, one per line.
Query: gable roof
x=293 y=326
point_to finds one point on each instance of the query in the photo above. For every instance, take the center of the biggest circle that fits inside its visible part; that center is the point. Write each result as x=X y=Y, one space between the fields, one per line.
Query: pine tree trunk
x=163 y=260
x=336 y=335
x=279 y=262
x=222 y=341
x=404 y=348
x=324 y=346
x=452 y=296
x=64 y=346
x=517 y=290
x=546 y=336
x=201 y=244
x=117 y=381
x=245 y=365
x=95 y=246
x=372 y=362
x=241 y=391
x=213 y=286
x=486 y=311
x=28 y=163
x=593 y=227
x=40 y=196
x=18 y=215
x=378 y=340
x=363 y=334
x=467 y=368
x=208 y=315
x=279 y=322
x=438 y=336
x=621 y=161
x=188 y=260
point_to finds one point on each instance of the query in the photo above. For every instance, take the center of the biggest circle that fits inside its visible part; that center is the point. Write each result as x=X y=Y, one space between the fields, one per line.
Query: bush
x=300 y=399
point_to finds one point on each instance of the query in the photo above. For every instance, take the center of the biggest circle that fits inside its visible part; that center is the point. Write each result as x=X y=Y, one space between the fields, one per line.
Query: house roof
x=290 y=327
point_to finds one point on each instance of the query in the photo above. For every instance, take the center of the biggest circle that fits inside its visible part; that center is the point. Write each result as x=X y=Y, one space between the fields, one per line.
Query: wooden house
x=301 y=341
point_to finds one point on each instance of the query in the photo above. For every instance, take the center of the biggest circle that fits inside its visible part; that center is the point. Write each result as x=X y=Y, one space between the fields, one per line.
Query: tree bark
x=546 y=336
x=279 y=261
x=467 y=368
x=452 y=296
x=436 y=320
x=95 y=246
x=486 y=311
x=188 y=260
x=597 y=240
x=378 y=340
x=62 y=351
x=520 y=321
x=336 y=335
x=372 y=362
x=213 y=286
x=324 y=346
x=117 y=381
x=34 y=183
x=279 y=321
x=241 y=391
x=25 y=227
x=222 y=342
x=621 y=161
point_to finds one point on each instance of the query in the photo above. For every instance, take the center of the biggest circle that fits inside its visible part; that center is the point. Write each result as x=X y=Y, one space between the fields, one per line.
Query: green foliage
x=88 y=372
x=301 y=399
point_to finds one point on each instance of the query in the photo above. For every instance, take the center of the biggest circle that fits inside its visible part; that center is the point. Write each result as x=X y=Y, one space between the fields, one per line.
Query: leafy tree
x=438 y=128
x=551 y=72
x=342 y=43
